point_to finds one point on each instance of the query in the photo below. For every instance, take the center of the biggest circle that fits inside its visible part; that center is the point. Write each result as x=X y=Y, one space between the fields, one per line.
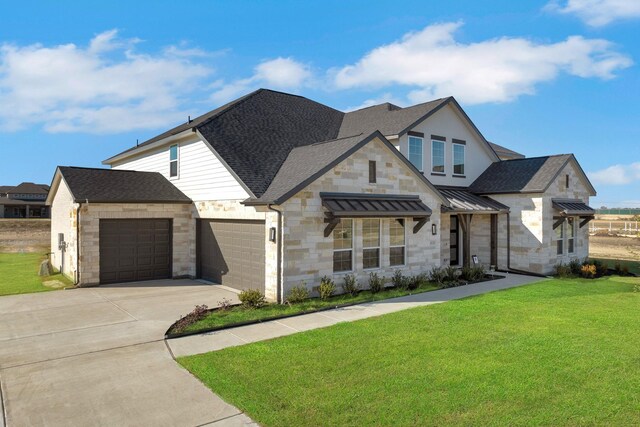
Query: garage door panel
x=133 y=250
x=232 y=253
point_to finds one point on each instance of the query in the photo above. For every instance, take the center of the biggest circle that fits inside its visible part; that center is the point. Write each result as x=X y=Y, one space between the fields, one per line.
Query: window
x=343 y=246
x=173 y=161
x=372 y=171
x=396 y=242
x=566 y=181
x=370 y=243
x=437 y=156
x=571 y=234
x=415 y=152
x=560 y=238
x=458 y=159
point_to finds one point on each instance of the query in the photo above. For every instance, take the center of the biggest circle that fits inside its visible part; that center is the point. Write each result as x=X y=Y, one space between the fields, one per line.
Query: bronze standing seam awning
x=348 y=205
x=573 y=207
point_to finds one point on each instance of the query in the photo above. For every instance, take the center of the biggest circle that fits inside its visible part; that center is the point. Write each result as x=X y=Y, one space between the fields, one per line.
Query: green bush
x=252 y=298
x=400 y=281
x=326 y=288
x=472 y=274
x=451 y=274
x=562 y=270
x=416 y=281
x=350 y=285
x=601 y=267
x=437 y=275
x=298 y=294
x=376 y=283
x=575 y=265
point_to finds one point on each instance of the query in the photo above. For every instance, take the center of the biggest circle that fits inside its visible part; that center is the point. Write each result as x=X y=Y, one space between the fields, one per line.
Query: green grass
x=238 y=314
x=19 y=274
x=633 y=266
x=559 y=352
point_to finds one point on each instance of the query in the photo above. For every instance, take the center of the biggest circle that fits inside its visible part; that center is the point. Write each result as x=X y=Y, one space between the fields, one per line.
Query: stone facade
x=63 y=220
x=308 y=255
x=184 y=249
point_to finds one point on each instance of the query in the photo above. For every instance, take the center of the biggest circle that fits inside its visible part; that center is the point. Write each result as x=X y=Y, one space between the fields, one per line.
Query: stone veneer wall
x=63 y=220
x=184 y=249
x=533 y=241
x=234 y=209
x=481 y=238
x=308 y=255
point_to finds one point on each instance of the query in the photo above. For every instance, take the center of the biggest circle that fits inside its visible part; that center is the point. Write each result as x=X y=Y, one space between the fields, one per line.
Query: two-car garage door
x=135 y=249
x=232 y=252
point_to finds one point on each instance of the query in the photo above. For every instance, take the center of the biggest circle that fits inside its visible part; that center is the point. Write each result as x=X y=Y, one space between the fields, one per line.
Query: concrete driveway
x=96 y=356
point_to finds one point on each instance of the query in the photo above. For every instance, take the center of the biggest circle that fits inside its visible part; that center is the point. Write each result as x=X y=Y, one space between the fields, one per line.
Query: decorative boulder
x=45 y=268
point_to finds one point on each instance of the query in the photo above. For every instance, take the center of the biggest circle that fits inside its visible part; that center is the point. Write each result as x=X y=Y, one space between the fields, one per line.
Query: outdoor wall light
x=272 y=234
x=434 y=229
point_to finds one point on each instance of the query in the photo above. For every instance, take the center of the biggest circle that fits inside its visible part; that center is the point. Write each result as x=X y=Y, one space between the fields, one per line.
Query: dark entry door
x=232 y=252
x=135 y=249
x=454 y=238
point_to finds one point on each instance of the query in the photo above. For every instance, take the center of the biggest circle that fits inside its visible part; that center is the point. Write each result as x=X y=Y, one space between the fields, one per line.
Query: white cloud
x=385 y=97
x=597 y=13
x=278 y=73
x=497 y=70
x=617 y=174
x=104 y=87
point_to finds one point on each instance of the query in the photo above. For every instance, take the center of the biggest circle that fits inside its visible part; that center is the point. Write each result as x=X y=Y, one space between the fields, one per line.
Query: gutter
x=279 y=243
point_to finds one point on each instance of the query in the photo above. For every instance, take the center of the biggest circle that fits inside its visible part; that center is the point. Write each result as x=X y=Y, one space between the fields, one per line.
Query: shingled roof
x=505 y=153
x=530 y=175
x=119 y=186
x=29 y=188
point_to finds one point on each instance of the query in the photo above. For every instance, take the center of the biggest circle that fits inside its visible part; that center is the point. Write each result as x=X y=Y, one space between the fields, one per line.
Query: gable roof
x=306 y=164
x=6 y=188
x=29 y=188
x=505 y=153
x=389 y=119
x=118 y=186
x=528 y=175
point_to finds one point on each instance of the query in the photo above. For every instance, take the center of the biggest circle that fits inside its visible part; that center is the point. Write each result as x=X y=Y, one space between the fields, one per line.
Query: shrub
x=562 y=270
x=437 y=275
x=575 y=266
x=473 y=274
x=298 y=294
x=401 y=281
x=198 y=313
x=350 y=285
x=418 y=280
x=252 y=298
x=376 y=283
x=588 y=271
x=451 y=274
x=618 y=267
x=601 y=267
x=326 y=288
x=224 y=305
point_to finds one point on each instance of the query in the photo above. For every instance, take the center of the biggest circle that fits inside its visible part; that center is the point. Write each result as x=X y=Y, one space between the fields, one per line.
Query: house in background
x=26 y=200
x=273 y=190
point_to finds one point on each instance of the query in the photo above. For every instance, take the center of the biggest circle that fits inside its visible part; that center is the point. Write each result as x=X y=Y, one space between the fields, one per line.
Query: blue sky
x=80 y=82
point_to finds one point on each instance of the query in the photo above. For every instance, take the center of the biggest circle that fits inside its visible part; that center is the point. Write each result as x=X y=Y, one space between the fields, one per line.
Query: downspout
x=78 y=243
x=279 y=243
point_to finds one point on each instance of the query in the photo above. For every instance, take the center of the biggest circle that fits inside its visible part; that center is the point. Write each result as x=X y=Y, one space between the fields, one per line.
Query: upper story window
x=343 y=246
x=173 y=161
x=566 y=181
x=416 y=152
x=372 y=172
x=458 y=159
x=437 y=157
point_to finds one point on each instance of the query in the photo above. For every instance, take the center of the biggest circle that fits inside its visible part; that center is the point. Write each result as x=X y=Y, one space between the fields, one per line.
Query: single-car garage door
x=232 y=252
x=135 y=249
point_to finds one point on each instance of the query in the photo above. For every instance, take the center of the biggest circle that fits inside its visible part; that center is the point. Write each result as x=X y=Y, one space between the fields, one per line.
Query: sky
x=82 y=81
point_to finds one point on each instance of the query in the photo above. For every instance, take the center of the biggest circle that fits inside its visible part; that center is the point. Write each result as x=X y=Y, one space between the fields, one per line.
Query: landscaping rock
x=45 y=268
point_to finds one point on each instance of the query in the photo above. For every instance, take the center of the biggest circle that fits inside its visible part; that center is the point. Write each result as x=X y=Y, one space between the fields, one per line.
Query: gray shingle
x=120 y=186
x=530 y=175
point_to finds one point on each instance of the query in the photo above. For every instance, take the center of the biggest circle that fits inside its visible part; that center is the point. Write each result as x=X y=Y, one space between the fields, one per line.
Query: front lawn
x=560 y=352
x=19 y=274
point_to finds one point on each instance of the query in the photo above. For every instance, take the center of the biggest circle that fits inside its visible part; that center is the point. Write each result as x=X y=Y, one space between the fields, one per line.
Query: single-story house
x=274 y=190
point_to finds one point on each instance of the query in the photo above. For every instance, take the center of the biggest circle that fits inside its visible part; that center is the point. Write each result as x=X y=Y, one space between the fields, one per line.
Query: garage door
x=135 y=249
x=232 y=253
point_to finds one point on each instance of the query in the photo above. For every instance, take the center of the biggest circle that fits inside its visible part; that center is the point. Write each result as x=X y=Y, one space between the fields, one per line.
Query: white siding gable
x=201 y=175
x=449 y=123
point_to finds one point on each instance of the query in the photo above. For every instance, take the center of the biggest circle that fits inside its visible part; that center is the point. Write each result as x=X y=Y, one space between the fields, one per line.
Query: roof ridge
x=106 y=169
x=331 y=140
x=230 y=105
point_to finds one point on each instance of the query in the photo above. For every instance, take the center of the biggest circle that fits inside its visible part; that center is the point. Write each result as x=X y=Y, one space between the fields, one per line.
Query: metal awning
x=349 y=205
x=572 y=207
x=462 y=200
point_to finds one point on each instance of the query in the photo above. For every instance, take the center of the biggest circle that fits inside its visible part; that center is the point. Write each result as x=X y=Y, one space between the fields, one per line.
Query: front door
x=454 y=237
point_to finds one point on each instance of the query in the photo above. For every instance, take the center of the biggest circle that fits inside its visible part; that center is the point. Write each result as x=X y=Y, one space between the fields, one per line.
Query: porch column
x=27 y=211
x=465 y=225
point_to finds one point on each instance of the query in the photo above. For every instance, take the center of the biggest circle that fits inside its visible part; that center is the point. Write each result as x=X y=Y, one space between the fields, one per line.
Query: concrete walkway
x=213 y=341
x=97 y=357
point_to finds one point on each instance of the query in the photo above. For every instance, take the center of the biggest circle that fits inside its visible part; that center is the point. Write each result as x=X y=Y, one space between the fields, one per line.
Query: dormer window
x=173 y=161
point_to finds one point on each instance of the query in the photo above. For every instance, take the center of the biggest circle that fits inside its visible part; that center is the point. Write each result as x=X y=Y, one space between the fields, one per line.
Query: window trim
x=352 y=249
x=421 y=151
x=177 y=161
x=453 y=159
x=444 y=162
x=379 y=247
x=404 y=264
